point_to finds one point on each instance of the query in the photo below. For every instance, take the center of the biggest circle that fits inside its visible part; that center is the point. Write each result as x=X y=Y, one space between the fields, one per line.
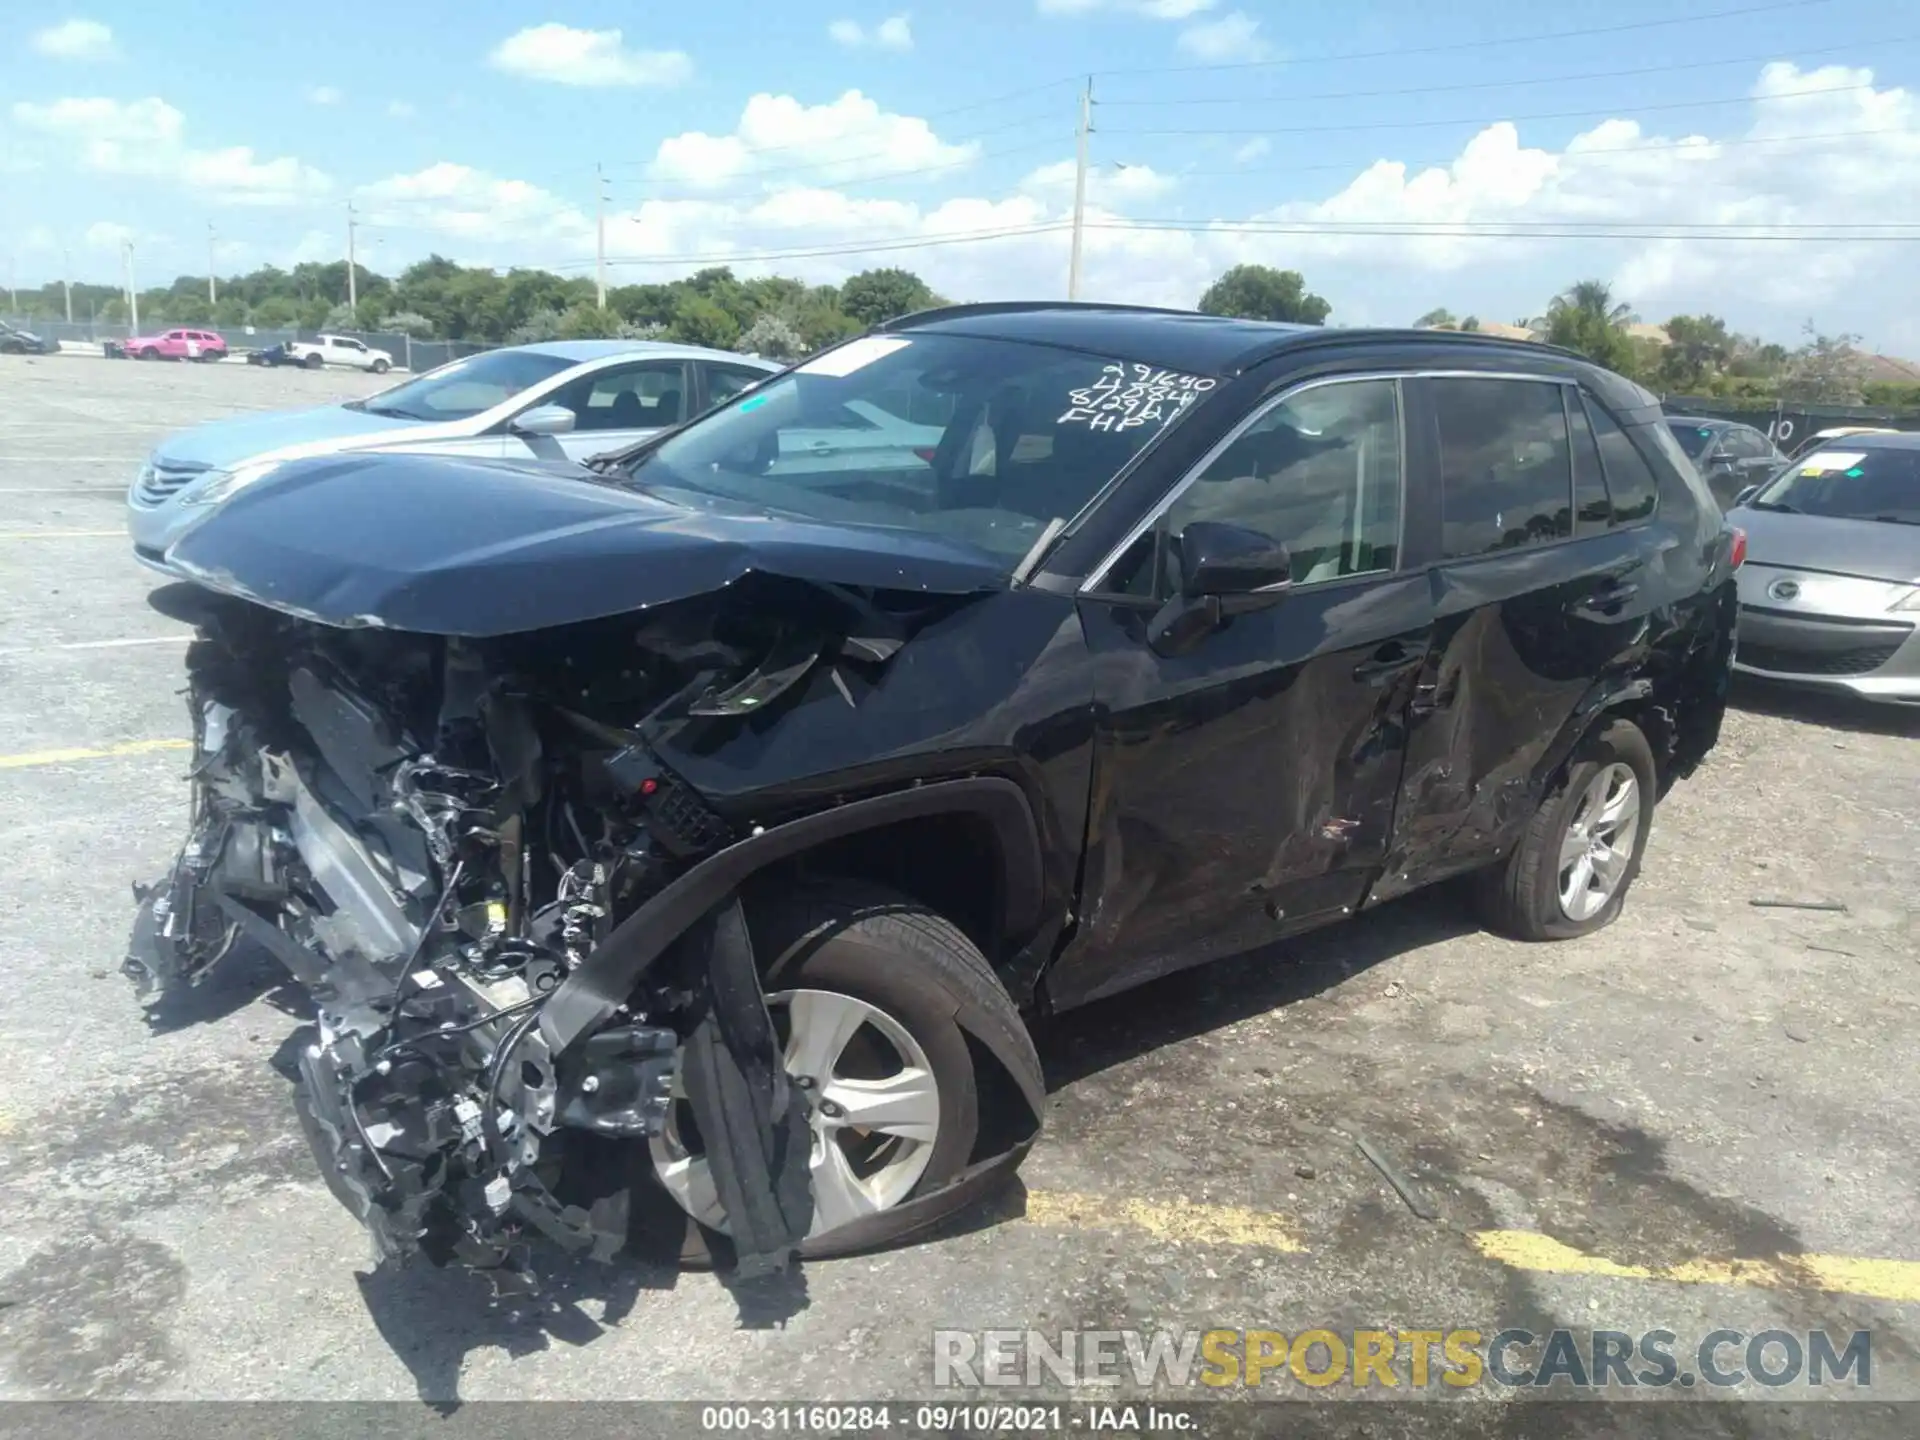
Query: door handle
x=1606 y=602
x=1390 y=659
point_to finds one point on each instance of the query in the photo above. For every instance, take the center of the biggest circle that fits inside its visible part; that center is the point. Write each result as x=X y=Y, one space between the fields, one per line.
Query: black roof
x=1173 y=339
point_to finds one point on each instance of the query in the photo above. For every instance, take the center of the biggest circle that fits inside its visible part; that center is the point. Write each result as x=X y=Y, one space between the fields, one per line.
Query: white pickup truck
x=338 y=350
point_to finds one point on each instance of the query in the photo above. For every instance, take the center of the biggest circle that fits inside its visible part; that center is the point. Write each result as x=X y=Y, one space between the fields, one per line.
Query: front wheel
x=863 y=987
x=1578 y=856
x=380 y=367
x=149 y=354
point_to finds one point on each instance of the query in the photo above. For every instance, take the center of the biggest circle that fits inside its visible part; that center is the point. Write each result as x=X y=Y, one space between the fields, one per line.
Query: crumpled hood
x=444 y=546
x=1873 y=549
x=222 y=443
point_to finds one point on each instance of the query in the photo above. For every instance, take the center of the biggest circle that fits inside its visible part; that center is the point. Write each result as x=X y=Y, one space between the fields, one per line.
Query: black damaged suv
x=678 y=848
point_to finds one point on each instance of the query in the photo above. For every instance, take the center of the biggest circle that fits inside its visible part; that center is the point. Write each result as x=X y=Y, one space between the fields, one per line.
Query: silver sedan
x=1830 y=592
x=564 y=400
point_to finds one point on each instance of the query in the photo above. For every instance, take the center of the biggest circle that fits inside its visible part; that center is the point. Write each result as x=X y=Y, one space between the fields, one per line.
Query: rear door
x=1541 y=589
x=1246 y=788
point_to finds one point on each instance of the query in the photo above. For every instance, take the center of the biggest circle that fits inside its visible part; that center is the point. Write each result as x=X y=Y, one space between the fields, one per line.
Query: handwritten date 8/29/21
x=910 y=1419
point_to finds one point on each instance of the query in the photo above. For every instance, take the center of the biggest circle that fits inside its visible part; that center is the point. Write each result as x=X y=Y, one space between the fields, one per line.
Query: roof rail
x=1018 y=307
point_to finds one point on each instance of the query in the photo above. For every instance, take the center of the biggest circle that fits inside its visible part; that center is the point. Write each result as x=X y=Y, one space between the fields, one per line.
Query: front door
x=1246 y=788
x=612 y=409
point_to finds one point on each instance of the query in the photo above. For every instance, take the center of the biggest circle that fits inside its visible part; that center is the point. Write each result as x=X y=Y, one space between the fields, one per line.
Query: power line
x=1609 y=111
x=1458 y=45
x=862 y=248
x=1495 y=230
x=918 y=170
x=1402 y=90
x=1665 y=146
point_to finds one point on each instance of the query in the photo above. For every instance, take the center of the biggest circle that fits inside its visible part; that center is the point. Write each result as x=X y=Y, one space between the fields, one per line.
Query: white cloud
x=1151 y=9
x=107 y=235
x=1253 y=150
x=1233 y=37
x=893 y=33
x=1116 y=184
x=75 y=40
x=146 y=138
x=781 y=141
x=401 y=110
x=566 y=56
x=324 y=95
x=472 y=205
x=1615 y=174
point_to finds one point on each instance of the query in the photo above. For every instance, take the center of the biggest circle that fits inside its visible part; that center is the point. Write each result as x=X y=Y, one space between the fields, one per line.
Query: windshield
x=466 y=387
x=1693 y=439
x=1843 y=484
x=980 y=441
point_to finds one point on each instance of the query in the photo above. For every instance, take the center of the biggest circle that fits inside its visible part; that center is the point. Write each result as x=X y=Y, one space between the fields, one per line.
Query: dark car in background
x=16 y=341
x=1730 y=456
x=705 y=828
x=1830 y=594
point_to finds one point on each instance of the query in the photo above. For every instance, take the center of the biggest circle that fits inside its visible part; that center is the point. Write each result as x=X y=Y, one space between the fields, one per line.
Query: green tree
x=1436 y=319
x=1585 y=317
x=1699 y=347
x=875 y=296
x=773 y=336
x=699 y=320
x=1827 y=368
x=1260 y=292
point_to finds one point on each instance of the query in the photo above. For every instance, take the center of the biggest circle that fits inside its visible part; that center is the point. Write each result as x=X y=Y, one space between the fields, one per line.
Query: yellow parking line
x=1841 y=1274
x=1163 y=1219
x=58 y=534
x=103 y=752
x=1517 y=1249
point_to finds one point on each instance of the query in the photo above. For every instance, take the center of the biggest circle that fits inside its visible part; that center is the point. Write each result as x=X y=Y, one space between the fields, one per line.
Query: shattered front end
x=431 y=835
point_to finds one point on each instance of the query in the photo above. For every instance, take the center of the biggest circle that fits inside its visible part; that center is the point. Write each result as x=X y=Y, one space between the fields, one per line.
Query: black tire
x=314 y=362
x=149 y=354
x=1520 y=896
x=895 y=954
x=380 y=367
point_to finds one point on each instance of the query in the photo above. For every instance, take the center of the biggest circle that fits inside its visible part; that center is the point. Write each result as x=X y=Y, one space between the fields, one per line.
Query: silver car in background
x=1830 y=592
x=565 y=400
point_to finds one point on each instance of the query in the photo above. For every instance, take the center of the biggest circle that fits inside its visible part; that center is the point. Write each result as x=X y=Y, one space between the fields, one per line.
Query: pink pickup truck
x=170 y=345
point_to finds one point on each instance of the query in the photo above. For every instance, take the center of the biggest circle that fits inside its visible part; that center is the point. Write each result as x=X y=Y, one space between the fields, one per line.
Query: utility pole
x=600 y=243
x=13 y=296
x=1080 y=191
x=66 y=282
x=213 y=286
x=353 y=285
x=133 y=297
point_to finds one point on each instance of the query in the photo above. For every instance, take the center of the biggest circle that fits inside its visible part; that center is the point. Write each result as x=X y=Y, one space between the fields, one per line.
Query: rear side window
x=1506 y=467
x=1629 y=480
x=1592 y=506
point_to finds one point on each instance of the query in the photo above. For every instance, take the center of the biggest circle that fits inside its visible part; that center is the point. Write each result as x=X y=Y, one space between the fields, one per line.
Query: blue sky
x=473 y=129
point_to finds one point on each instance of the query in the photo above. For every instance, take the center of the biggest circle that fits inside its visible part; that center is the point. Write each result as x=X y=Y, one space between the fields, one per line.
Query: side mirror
x=1723 y=461
x=1225 y=570
x=1746 y=495
x=544 y=420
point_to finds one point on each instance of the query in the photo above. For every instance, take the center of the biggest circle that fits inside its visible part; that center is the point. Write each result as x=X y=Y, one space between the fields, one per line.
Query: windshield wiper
x=1779 y=505
x=1897 y=520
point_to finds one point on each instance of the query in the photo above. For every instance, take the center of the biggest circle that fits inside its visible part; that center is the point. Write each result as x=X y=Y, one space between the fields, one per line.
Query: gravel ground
x=1704 y=1084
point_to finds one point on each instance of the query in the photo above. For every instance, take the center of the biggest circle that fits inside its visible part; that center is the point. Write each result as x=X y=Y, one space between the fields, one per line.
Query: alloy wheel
x=873 y=1104
x=1599 y=842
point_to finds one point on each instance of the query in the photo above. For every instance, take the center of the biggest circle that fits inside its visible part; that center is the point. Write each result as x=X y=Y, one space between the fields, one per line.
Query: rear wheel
x=863 y=987
x=313 y=362
x=380 y=367
x=1577 y=858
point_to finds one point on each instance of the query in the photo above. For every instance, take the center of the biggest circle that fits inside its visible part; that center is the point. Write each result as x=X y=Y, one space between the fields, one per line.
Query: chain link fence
x=407 y=352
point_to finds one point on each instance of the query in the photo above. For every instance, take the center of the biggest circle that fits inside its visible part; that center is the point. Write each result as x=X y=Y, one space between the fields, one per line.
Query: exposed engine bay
x=432 y=836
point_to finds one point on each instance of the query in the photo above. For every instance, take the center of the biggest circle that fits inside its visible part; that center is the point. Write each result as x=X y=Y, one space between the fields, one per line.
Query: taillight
x=925 y=452
x=1737 y=551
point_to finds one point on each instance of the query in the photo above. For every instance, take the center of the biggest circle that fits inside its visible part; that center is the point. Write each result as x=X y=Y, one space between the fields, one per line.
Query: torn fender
x=439 y=545
x=607 y=976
